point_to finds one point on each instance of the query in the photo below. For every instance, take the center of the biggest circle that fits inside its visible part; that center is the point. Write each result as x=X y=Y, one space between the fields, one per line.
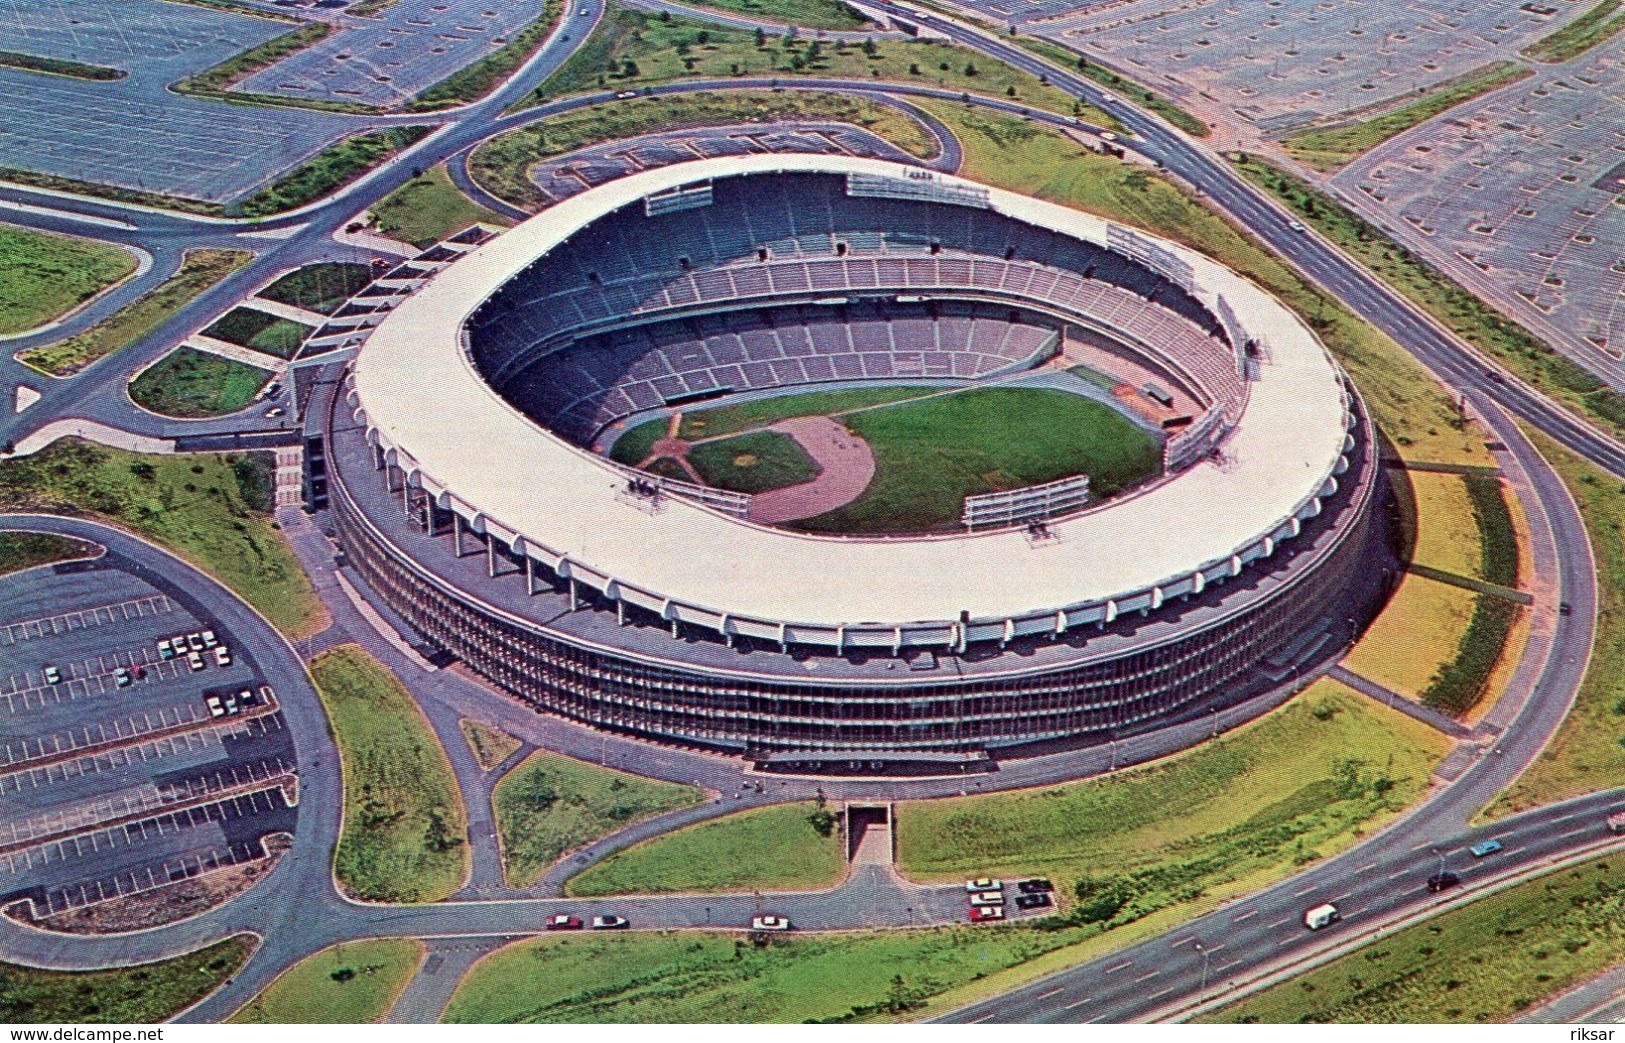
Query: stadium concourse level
x=669 y=618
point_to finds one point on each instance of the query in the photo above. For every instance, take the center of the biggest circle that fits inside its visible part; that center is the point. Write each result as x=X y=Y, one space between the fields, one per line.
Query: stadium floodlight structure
x=693 y=624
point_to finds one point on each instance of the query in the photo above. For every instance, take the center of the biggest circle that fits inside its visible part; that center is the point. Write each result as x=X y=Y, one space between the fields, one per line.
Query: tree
x=913 y=68
x=970 y=68
x=665 y=16
x=1011 y=90
x=870 y=48
x=629 y=69
x=761 y=38
x=703 y=38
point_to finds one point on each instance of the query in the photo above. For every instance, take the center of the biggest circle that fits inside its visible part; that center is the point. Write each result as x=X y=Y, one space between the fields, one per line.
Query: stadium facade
x=467 y=496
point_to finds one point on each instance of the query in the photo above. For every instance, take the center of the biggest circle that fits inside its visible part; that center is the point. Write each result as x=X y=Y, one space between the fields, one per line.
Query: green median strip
x=1585 y=32
x=476 y=80
x=59 y=66
x=215 y=82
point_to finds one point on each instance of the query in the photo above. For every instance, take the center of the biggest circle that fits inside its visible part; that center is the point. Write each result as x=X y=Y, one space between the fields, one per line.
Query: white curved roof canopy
x=436 y=416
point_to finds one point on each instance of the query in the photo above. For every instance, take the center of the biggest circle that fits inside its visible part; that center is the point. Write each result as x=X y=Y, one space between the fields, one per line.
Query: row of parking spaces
x=83 y=619
x=143 y=800
x=124 y=730
x=132 y=35
x=1281 y=63
x=128 y=884
x=1528 y=187
x=387 y=59
x=91 y=679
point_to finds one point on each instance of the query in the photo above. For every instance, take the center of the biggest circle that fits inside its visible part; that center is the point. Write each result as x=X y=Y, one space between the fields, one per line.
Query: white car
x=222 y=656
x=986 y=898
x=610 y=923
x=195 y=661
x=216 y=707
x=769 y=922
x=209 y=640
x=983 y=883
x=52 y=675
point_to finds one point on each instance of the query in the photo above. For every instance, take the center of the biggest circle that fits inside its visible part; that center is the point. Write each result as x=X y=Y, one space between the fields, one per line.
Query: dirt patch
x=845 y=465
x=169 y=904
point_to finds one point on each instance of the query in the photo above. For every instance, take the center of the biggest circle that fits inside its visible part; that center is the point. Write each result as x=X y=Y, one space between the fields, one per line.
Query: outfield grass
x=199 y=270
x=1446 y=300
x=491 y=745
x=1588 y=751
x=259 y=330
x=1416 y=414
x=141 y=995
x=1485 y=962
x=501 y=164
x=44 y=276
x=1146 y=99
x=322 y=287
x=808 y=14
x=931 y=454
x=1419 y=632
x=479 y=78
x=427 y=209
x=213 y=509
x=405 y=828
x=759 y=412
x=1328 y=148
x=26 y=550
x=632 y=49
x=1585 y=32
x=355 y=983
x=552 y=804
x=770 y=849
x=189 y=383
x=753 y=463
x=59 y=66
x=634 y=446
x=327 y=171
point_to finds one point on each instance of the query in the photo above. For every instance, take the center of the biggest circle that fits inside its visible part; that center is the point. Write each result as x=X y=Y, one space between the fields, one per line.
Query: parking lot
x=1554 y=246
x=1278 y=63
x=388 y=58
x=133 y=131
x=123 y=769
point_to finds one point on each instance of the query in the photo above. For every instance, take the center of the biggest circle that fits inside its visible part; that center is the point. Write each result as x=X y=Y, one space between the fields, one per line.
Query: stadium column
x=456 y=534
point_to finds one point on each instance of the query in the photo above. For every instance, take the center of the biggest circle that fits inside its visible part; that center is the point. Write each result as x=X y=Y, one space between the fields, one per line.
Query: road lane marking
x=1047 y=995
x=1147 y=974
x=1183 y=941
x=1076 y=1004
x=1279 y=922
x=1248 y=914
x=1120 y=966
x=1164 y=992
x=1368 y=866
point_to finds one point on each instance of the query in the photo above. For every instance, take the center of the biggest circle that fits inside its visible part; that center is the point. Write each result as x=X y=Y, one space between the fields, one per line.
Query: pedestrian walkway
x=1404 y=704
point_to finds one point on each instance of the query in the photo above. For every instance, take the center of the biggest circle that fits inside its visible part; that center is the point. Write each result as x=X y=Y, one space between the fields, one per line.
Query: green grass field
x=1149 y=100
x=753 y=463
x=213 y=509
x=774 y=848
x=43 y=276
x=327 y=171
x=141 y=995
x=1329 y=148
x=759 y=412
x=190 y=383
x=501 y=164
x=351 y=984
x=1484 y=962
x=1588 y=751
x=199 y=270
x=931 y=454
x=259 y=330
x=427 y=209
x=808 y=14
x=26 y=550
x=321 y=288
x=405 y=829
x=490 y=744
x=551 y=804
x=1416 y=414
x=1598 y=24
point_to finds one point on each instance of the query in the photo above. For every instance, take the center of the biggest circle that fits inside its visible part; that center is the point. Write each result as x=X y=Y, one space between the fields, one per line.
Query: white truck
x=1616 y=822
x=1321 y=916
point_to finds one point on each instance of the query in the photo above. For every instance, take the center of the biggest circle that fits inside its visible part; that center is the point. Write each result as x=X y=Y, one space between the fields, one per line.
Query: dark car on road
x=563 y=922
x=1440 y=881
x=1035 y=886
x=1033 y=901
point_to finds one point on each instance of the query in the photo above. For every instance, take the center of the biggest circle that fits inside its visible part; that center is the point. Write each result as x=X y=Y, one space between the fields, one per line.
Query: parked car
x=1037 y=885
x=769 y=922
x=195 y=642
x=610 y=923
x=1485 y=847
x=222 y=656
x=1037 y=900
x=195 y=661
x=165 y=649
x=986 y=913
x=122 y=677
x=987 y=898
x=1321 y=916
x=247 y=697
x=209 y=640
x=216 y=707
x=563 y=922
x=1440 y=881
x=983 y=883
x=52 y=675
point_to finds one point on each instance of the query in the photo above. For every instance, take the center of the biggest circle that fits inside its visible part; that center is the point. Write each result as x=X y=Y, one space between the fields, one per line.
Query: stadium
x=846 y=465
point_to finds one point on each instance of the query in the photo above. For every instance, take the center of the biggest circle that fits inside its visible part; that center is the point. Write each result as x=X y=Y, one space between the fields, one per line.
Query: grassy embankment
x=807 y=14
x=328 y=171
x=551 y=804
x=43 y=276
x=355 y=983
x=188 y=383
x=260 y=331
x=490 y=744
x=1144 y=98
x=1599 y=24
x=429 y=208
x=141 y=995
x=213 y=509
x=405 y=829
x=27 y=550
x=199 y=270
x=322 y=288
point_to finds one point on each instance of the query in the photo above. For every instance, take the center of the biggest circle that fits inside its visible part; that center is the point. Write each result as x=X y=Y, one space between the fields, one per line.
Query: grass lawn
x=753 y=463
x=931 y=454
x=1329 y=148
x=26 y=550
x=327 y=171
x=1419 y=631
x=707 y=423
x=260 y=330
x=405 y=828
x=140 y=995
x=770 y=849
x=1417 y=415
x=501 y=164
x=808 y=14
x=1588 y=752
x=43 y=275
x=634 y=446
x=481 y=77
x=491 y=745
x=199 y=270
x=321 y=288
x=213 y=509
x=632 y=49
x=1484 y=962
x=190 y=383
x=1441 y=526
x=552 y=804
x=355 y=983
x=1447 y=301
x=1585 y=32
x=1149 y=100
x=427 y=209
